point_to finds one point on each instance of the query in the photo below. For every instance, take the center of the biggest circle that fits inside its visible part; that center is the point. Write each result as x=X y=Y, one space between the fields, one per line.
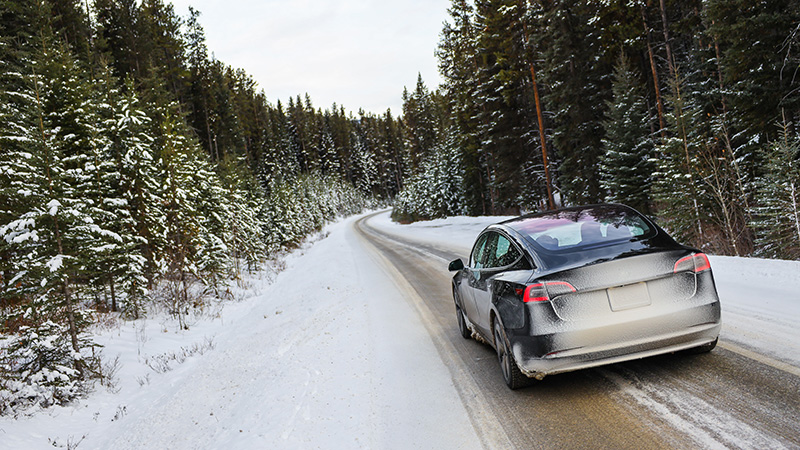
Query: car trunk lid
x=638 y=282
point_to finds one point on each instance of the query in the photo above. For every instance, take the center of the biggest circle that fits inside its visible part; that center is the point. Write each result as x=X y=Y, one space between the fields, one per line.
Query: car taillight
x=696 y=262
x=542 y=292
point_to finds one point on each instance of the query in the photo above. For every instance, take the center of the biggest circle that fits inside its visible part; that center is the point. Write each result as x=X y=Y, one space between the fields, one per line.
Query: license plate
x=628 y=297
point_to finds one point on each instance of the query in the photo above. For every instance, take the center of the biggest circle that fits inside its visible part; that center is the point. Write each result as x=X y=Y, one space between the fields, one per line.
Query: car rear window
x=575 y=229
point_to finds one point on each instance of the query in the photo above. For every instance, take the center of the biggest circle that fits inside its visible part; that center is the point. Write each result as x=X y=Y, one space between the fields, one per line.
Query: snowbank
x=760 y=304
x=455 y=233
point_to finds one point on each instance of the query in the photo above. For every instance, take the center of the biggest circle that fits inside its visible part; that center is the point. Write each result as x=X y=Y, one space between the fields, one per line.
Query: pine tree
x=507 y=127
x=327 y=150
x=139 y=187
x=578 y=82
x=457 y=53
x=778 y=218
x=626 y=166
x=435 y=191
x=390 y=160
x=676 y=187
x=103 y=250
x=420 y=119
x=245 y=223
x=182 y=226
x=44 y=222
x=754 y=42
x=162 y=48
x=366 y=176
x=117 y=36
x=213 y=236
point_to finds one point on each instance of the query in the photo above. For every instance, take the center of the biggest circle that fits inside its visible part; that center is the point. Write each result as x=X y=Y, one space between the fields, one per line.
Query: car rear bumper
x=590 y=346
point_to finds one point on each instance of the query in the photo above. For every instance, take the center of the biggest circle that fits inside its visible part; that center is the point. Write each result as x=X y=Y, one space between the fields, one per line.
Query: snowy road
x=355 y=345
x=734 y=397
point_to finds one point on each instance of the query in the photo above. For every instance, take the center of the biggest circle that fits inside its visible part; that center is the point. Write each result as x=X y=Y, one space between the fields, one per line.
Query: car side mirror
x=456 y=265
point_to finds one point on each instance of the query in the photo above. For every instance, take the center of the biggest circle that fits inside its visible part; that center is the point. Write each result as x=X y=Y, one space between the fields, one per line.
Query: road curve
x=723 y=399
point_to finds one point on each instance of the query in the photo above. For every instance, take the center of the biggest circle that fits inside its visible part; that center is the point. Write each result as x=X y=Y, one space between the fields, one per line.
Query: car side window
x=504 y=253
x=477 y=252
x=495 y=250
x=489 y=255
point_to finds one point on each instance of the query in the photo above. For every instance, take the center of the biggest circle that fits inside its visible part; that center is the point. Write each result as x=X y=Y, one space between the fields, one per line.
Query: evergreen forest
x=686 y=110
x=137 y=171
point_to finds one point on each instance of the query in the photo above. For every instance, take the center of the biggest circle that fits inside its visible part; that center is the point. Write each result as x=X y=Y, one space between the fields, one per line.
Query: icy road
x=355 y=345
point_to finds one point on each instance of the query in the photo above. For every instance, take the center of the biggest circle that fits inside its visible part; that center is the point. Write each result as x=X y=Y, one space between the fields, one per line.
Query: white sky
x=357 y=53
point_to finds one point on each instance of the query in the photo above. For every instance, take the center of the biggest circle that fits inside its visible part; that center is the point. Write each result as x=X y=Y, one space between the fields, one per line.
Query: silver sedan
x=580 y=287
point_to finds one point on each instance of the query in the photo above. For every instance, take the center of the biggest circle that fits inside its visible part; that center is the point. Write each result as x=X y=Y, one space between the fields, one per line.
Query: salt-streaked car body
x=580 y=287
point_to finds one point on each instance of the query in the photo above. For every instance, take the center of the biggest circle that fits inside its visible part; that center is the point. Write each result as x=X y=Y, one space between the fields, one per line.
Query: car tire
x=462 y=324
x=513 y=377
x=705 y=348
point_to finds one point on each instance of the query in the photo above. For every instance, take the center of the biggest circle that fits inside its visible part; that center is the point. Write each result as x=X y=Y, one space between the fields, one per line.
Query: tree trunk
x=659 y=103
x=113 y=295
x=667 y=45
x=795 y=211
x=681 y=125
x=73 y=328
x=550 y=200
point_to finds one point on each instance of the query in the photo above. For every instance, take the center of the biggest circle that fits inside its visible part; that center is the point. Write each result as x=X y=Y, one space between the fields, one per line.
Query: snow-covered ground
x=456 y=234
x=330 y=354
x=760 y=305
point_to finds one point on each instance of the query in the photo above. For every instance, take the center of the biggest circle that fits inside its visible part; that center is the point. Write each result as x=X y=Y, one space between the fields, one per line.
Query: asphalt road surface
x=722 y=399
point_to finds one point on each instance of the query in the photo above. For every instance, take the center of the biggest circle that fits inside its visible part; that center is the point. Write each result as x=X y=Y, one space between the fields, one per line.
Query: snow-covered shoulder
x=760 y=304
x=327 y=355
x=457 y=232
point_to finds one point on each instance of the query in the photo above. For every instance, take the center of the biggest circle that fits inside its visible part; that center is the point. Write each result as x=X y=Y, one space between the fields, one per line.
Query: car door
x=471 y=276
x=499 y=255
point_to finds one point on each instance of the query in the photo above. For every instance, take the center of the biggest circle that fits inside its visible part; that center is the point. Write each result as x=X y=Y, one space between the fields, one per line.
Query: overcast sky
x=358 y=53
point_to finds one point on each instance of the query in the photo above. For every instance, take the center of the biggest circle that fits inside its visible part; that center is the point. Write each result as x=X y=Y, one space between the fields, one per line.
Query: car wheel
x=462 y=324
x=513 y=377
x=705 y=348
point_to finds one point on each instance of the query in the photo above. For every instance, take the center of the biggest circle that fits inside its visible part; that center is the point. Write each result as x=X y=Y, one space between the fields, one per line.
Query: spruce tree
x=777 y=219
x=44 y=222
x=507 y=126
x=245 y=222
x=626 y=165
x=139 y=188
x=578 y=87
x=458 y=63
x=213 y=237
x=420 y=119
x=435 y=191
x=182 y=227
x=754 y=42
x=364 y=159
x=677 y=189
